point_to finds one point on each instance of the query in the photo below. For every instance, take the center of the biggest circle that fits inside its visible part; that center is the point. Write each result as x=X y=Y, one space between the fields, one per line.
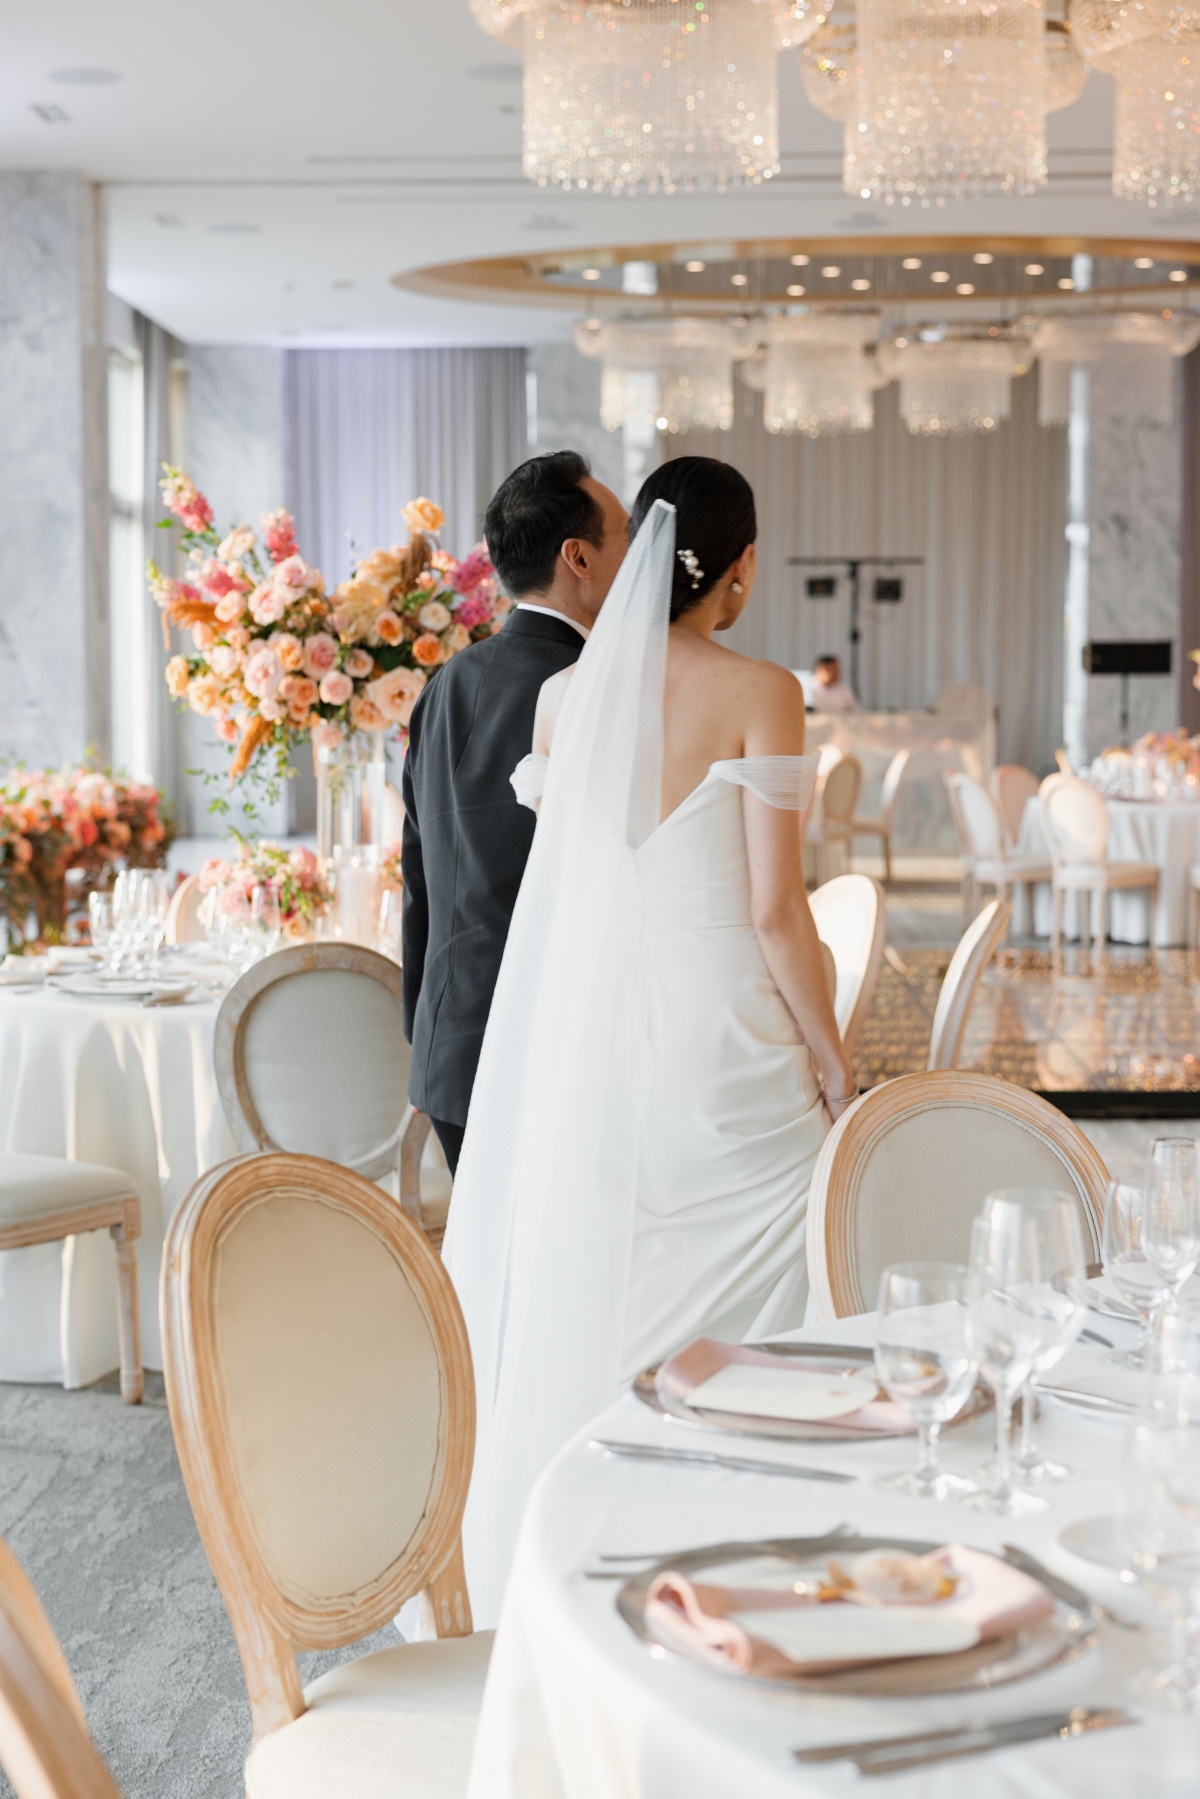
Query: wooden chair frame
x=874 y=961
x=121 y=1217
x=402 y=1151
x=268 y=1625
x=181 y=913
x=978 y=945
x=840 y=827
x=882 y=826
x=832 y=1277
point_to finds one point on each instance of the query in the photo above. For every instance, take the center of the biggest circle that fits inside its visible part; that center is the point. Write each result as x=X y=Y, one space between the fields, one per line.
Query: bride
x=661 y=1060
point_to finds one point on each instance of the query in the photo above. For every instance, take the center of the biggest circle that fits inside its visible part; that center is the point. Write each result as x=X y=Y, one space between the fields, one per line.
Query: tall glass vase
x=351 y=779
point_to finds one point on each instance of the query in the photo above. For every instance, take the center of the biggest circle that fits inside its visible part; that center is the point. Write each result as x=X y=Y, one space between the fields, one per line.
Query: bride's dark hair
x=714 y=521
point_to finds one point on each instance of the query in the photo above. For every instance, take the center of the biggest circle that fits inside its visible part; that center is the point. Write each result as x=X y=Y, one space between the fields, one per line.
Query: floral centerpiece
x=390 y=865
x=276 y=658
x=295 y=875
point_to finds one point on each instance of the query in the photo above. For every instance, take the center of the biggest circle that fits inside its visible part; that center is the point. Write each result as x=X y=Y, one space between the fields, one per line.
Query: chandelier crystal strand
x=816 y=377
x=1133 y=356
x=949 y=99
x=954 y=386
x=673 y=373
x=827 y=63
x=1066 y=70
x=652 y=95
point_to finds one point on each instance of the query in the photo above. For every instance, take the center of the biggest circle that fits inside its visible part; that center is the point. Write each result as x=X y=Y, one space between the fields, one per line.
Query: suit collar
x=526 y=623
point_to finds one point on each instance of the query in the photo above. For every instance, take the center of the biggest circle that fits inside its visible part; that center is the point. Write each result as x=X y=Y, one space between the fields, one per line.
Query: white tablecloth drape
x=1157 y=831
x=577 y=1708
x=101 y=1081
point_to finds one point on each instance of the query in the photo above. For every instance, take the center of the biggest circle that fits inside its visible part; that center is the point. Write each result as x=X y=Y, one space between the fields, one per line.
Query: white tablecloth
x=1168 y=835
x=102 y=1081
x=577 y=1708
x=922 y=819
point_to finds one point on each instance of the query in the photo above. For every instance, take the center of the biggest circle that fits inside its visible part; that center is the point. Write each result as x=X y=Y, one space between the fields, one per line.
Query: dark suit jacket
x=466 y=842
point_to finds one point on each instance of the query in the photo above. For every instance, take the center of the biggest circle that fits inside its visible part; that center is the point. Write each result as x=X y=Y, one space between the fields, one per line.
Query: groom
x=557 y=538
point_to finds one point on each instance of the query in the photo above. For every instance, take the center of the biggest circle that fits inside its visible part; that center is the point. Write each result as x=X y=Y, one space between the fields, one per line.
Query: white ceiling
x=271 y=164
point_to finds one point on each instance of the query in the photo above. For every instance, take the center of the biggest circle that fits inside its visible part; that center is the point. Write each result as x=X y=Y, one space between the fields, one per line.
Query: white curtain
x=987 y=513
x=365 y=431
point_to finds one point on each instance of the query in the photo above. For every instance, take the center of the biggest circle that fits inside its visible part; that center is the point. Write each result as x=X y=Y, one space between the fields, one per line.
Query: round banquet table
x=1164 y=832
x=577 y=1708
x=112 y=1081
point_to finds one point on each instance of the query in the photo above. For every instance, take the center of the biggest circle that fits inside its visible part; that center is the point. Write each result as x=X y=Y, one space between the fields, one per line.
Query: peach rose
x=225 y=728
x=336 y=688
x=319 y=654
x=289 y=649
x=423 y=515
x=358 y=664
x=204 y=694
x=300 y=716
x=177 y=677
x=382 y=566
x=428 y=650
x=267 y=604
x=298 y=690
x=427 y=581
x=238 y=636
x=434 y=616
x=327 y=734
x=443 y=560
x=230 y=606
x=458 y=639
x=396 y=693
x=365 y=714
x=388 y=628
x=271 y=709
x=203 y=636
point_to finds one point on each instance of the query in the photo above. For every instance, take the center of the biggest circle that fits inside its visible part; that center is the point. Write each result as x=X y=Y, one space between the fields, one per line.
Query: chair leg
x=129 y=1324
x=887 y=856
x=1056 y=921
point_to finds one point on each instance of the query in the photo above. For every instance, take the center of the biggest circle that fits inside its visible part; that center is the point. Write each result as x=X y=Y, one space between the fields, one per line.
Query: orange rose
x=388 y=628
x=177 y=677
x=298 y=691
x=428 y=651
x=423 y=515
x=204 y=694
x=365 y=714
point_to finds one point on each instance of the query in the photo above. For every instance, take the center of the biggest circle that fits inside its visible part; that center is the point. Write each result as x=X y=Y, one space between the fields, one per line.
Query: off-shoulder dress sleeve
x=528 y=780
x=784 y=781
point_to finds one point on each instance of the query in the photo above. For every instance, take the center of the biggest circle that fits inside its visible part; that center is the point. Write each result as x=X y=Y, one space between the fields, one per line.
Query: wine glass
x=1171 y=1213
x=100 y=921
x=231 y=918
x=922 y=1359
x=1060 y=1298
x=1004 y=1331
x=1158 y=1522
x=1137 y=1280
x=265 y=922
x=390 y=908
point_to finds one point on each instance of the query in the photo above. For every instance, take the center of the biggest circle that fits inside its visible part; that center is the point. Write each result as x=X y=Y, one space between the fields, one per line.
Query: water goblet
x=1138 y=1281
x=1158 y=1522
x=265 y=921
x=1171 y=1214
x=100 y=921
x=1004 y=1332
x=922 y=1359
x=1060 y=1299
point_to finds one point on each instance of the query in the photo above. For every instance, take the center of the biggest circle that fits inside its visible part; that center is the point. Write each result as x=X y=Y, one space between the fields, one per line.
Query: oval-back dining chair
x=882 y=826
x=311 y=1057
x=905 y=1170
x=183 y=913
x=975 y=950
x=1012 y=789
x=839 y=797
x=1076 y=822
x=319 y=1383
x=850 y=914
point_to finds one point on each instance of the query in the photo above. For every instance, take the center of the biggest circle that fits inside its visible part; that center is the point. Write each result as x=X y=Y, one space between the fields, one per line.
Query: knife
x=1062 y=1589
x=1040 y=1722
x=1064 y=1725
x=1097 y=1402
x=651 y=1453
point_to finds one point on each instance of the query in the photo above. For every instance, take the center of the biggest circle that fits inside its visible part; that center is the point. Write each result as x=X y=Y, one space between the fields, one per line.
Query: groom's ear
x=580 y=557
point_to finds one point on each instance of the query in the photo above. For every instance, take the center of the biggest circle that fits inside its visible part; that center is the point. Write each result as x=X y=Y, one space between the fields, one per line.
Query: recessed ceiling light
x=983 y=257
x=800 y=262
x=1034 y=268
x=965 y=287
x=940 y=275
x=830 y=270
x=1143 y=262
x=738 y=280
x=85 y=77
x=861 y=285
x=1178 y=275
x=50 y=112
x=1066 y=283
x=694 y=268
x=591 y=274
x=911 y=262
x=662 y=423
x=795 y=292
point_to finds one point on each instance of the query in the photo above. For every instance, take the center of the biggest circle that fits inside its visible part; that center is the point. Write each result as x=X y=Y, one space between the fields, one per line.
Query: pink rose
x=336 y=688
x=225 y=728
x=328 y=734
x=238 y=636
x=304 y=864
x=293 y=577
x=225 y=661
x=264 y=672
x=271 y=709
x=215 y=873
x=358 y=665
x=319 y=654
x=267 y=604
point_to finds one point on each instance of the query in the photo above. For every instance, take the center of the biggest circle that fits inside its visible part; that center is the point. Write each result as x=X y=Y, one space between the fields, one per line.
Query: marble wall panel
x=53 y=469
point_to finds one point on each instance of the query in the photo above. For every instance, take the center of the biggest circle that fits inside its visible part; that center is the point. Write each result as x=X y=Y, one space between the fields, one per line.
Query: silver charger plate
x=838 y=1358
x=1062 y=1637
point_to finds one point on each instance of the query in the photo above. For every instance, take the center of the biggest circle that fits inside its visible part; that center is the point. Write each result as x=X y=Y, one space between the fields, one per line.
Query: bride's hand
x=847 y=1091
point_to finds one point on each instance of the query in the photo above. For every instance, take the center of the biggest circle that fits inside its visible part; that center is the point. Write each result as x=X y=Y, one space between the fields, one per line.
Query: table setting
x=728 y=1585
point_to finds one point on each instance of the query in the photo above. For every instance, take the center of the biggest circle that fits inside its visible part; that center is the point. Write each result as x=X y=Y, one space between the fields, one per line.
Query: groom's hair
x=531 y=516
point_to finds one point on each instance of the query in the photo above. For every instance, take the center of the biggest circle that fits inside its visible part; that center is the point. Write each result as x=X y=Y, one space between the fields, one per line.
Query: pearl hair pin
x=690 y=563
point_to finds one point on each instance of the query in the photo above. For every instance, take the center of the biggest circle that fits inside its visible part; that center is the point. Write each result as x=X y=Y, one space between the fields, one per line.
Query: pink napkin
x=681 y=1374
x=990 y=1595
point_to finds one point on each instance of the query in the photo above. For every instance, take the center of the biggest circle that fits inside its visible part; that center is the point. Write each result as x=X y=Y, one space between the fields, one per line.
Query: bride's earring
x=735 y=587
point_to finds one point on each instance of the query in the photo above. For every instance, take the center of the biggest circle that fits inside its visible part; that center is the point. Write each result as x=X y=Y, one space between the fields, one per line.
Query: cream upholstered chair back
x=183 y=913
x=840 y=793
x=1075 y=820
x=976 y=948
x=850 y=914
x=1064 y=764
x=975 y=817
x=45 y=1748
x=1012 y=789
x=905 y=1170
x=311 y=1056
x=319 y=1383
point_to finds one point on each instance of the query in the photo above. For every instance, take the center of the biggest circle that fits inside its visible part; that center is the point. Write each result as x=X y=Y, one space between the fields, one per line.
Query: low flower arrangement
x=296 y=876
x=1178 y=748
x=275 y=658
x=390 y=865
x=81 y=821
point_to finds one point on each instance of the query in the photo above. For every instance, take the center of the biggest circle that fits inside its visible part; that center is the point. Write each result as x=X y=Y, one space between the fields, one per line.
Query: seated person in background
x=830 y=693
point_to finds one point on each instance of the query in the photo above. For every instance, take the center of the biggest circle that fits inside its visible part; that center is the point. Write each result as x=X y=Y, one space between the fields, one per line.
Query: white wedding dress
x=646 y=1118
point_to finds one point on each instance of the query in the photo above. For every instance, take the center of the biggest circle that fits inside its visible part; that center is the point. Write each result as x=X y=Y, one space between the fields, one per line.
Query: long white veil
x=541 y=1222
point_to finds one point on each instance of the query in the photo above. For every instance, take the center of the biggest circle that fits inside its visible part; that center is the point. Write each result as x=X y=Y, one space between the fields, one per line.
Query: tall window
x=129 y=612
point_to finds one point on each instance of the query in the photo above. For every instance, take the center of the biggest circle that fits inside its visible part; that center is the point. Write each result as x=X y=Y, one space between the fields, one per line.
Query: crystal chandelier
x=1131 y=355
x=954 y=384
x=949 y=98
x=1151 y=48
x=815 y=375
x=673 y=373
x=650 y=94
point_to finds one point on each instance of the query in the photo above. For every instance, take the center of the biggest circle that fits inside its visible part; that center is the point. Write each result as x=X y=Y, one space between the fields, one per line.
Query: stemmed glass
x=1138 y=1281
x=1171 y=1213
x=1060 y=1298
x=922 y=1359
x=1159 y=1524
x=265 y=922
x=100 y=920
x=1004 y=1331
